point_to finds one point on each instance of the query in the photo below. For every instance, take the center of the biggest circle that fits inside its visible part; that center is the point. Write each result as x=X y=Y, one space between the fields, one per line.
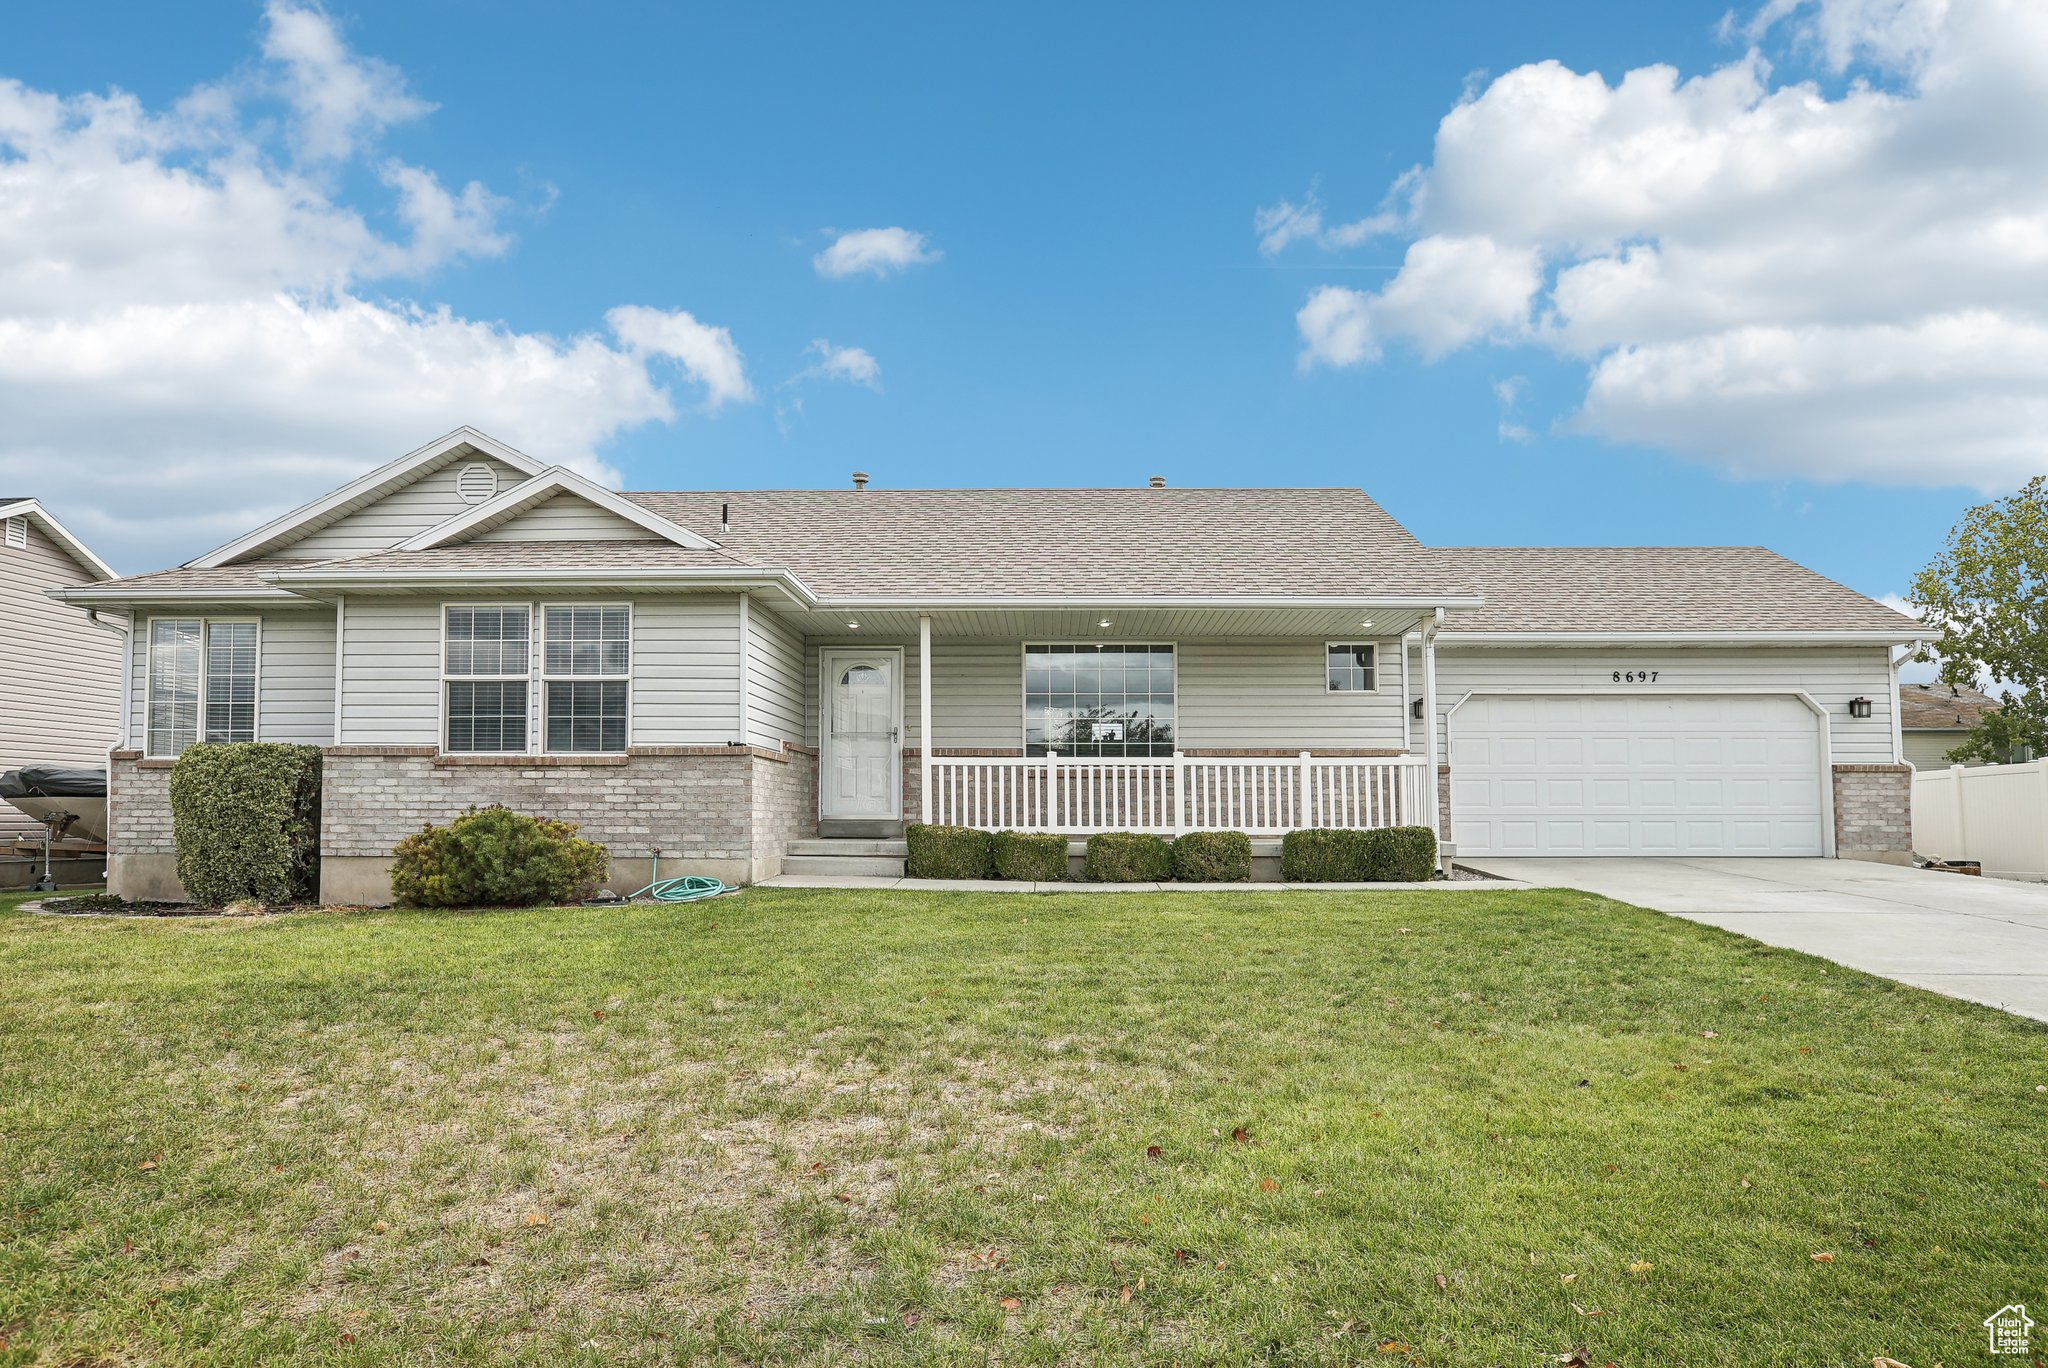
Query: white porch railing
x=1259 y=796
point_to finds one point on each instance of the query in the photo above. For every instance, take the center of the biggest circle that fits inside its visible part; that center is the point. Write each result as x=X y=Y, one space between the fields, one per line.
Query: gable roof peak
x=366 y=489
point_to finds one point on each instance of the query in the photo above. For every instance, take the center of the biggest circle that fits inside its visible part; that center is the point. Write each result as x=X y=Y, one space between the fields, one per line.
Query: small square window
x=1350 y=668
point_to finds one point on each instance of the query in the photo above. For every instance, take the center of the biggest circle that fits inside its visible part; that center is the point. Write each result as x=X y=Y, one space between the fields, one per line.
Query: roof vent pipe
x=725 y=517
x=1157 y=482
x=860 y=479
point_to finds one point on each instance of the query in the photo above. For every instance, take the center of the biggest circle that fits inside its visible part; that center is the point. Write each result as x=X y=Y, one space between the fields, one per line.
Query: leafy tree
x=1986 y=595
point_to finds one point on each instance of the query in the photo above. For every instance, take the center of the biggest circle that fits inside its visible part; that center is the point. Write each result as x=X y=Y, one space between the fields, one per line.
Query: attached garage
x=1607 y=773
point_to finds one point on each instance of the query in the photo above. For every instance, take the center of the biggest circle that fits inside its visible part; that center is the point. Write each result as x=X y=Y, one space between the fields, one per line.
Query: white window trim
x=149 y=677
x=1024 y=685
x=1372 y=675
x=441 y=706
x=536 y=672
x=541 y=704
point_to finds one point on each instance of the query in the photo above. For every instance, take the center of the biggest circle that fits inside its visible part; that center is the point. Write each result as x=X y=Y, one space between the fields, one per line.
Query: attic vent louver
x=17 y=533
x=476 y=483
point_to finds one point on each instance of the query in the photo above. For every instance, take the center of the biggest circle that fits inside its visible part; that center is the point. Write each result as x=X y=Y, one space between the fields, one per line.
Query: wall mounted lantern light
x=1859 y=707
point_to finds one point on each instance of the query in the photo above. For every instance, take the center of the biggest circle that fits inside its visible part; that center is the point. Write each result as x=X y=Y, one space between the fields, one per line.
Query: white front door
x=1633 y=774
x=862 y=767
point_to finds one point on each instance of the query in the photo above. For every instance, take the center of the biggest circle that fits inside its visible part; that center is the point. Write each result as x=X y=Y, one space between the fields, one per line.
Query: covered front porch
x=1123 y=716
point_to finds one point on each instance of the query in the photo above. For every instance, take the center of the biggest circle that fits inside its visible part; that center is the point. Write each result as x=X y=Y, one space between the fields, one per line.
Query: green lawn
x=817 y=1127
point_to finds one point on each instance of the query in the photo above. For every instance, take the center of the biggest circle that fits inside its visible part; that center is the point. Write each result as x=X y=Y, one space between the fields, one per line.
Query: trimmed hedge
x=246 y=823
x=1383 y=855
x=1128 y=857
x=495 y=857
x=1031 y=856
x=1213 y=857
x=948 y=852
x=1404 y=854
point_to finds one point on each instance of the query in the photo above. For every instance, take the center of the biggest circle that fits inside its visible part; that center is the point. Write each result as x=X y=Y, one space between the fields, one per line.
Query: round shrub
x=1127 y=857
x=495 y=857
x=1404 y=854
x=1031 y=856
x=1213 y=857
x=1323 y=855
x=948 y=852
x=246 y=823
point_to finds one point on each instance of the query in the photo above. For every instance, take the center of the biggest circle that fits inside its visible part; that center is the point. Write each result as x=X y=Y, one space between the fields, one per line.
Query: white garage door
x=1659 y=774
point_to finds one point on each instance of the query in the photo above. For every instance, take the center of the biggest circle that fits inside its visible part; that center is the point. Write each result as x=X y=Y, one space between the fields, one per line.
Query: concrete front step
x=869 y=866
x=847 y=845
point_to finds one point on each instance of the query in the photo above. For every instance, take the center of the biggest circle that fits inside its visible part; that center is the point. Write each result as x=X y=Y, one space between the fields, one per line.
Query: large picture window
x=586 y=664
x=582 y=670
x=487 y=664
x=202 y=684
x=1098 y=701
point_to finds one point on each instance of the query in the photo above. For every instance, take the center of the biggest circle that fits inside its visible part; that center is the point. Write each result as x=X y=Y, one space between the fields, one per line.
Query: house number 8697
x=1635 y=676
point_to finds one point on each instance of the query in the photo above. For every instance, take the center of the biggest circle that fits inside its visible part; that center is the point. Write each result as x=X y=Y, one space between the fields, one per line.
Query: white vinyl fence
x=1266 y=796
x=1994 y=814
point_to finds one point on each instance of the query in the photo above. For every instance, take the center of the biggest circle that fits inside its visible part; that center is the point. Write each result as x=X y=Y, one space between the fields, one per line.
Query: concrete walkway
x=1982 y=940
x=1078 y=886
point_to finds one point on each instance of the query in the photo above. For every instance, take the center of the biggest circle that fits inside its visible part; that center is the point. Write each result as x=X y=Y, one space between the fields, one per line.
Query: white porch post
x=924 y=719
x=1432 y=802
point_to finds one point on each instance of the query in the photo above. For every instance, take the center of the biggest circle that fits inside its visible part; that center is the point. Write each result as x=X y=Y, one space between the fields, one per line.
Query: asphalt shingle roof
x=1657 y=588
x=1022 y=542
x=1169 y=543
x=1942 y=707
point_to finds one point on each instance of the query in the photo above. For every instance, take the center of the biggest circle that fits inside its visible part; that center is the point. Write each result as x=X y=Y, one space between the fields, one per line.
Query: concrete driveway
x=1983 y=940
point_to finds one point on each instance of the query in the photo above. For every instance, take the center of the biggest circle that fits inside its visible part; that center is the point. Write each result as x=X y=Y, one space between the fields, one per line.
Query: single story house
x=1936 y=718
x=60 y=673
x=704 y=678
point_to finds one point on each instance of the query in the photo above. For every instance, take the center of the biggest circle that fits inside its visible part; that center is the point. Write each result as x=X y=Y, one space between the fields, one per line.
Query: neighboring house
x=59 y=673
x=1937 y=718
x=703 y=678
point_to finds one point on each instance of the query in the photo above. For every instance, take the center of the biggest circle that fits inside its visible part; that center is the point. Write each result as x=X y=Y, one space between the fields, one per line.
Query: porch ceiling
x=1084 y=623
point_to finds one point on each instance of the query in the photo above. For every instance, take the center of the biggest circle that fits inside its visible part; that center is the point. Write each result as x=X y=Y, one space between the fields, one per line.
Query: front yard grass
x=1451 y=1128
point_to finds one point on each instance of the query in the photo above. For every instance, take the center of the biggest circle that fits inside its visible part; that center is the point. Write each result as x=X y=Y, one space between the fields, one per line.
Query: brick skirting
x=726 y=810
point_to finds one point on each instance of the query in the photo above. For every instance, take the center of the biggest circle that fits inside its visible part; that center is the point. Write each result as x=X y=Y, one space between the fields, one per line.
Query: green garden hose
x=689 y=888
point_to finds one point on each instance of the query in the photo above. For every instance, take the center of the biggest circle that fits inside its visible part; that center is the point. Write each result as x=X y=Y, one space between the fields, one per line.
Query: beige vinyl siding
x=1831 y=676
x=294 y=671
x=685 y=669
x=775 y=679
x=391 y=672
x=1262 y=695
x=1228 y=695
x=60 y=676
x=405 y=512
x=1928 y=750
x=567 y=517
x=295 y=677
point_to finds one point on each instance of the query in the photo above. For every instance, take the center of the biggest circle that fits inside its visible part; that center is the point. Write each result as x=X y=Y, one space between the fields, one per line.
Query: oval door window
x=861 y=674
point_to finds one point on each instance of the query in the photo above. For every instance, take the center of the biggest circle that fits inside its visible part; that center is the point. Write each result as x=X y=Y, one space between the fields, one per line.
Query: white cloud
x=852 y=364
x=1508 y=394
x=1758 y=275
x=189 y=344
x=339 y=98
x=706 y=354
x=873 y=251
x=1336 y=328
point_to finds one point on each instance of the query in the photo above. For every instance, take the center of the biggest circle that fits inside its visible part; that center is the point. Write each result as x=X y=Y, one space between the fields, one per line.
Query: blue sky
x=1099 y=308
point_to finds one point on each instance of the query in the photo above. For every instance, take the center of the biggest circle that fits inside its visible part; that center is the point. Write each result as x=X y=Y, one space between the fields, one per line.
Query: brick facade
x=725 y=810
x=139 y=805
x=1874 y=811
